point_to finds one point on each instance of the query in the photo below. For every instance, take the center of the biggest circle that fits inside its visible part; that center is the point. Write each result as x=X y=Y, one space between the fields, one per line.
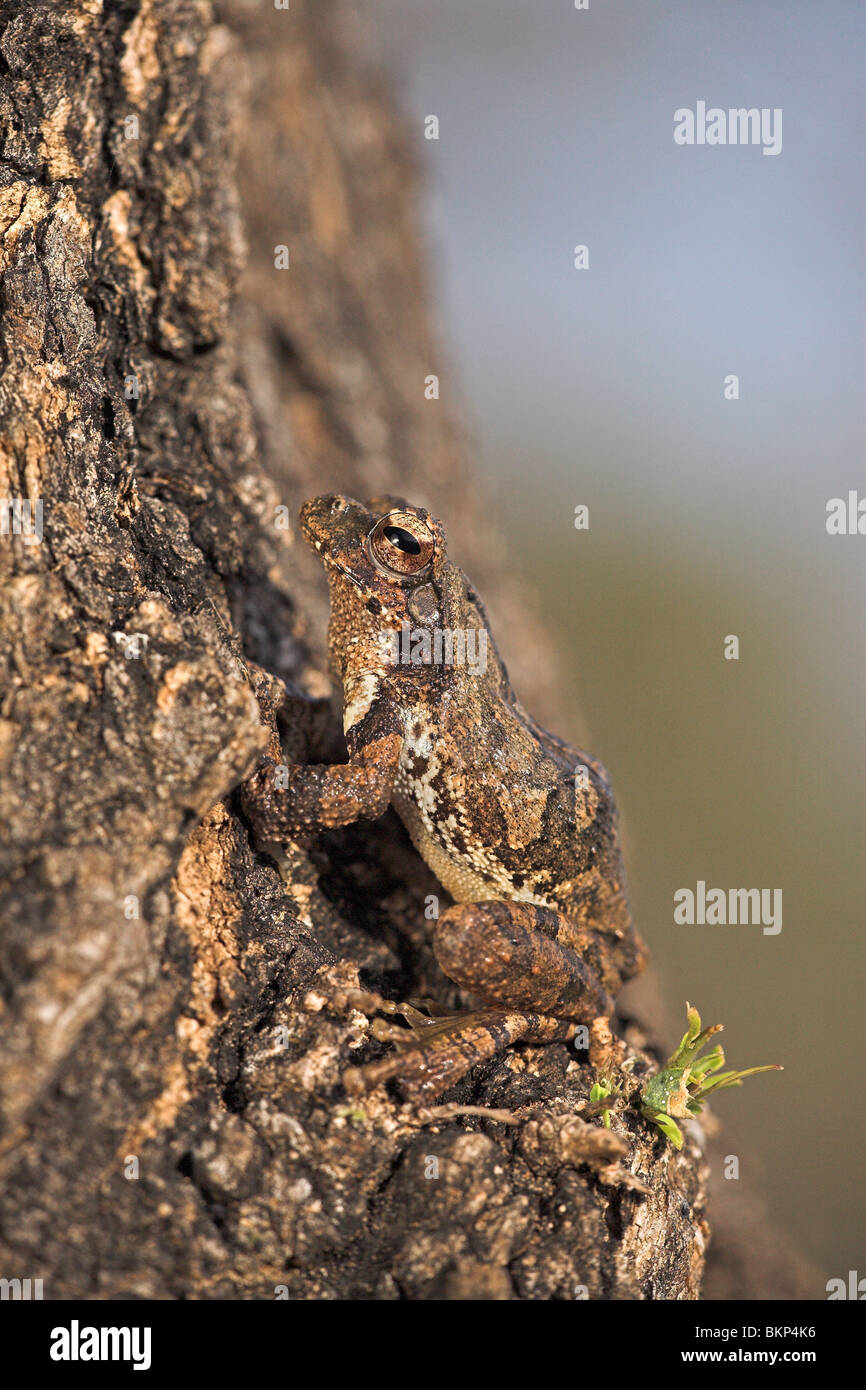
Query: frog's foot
x=420 y=1014
x=443 y=1050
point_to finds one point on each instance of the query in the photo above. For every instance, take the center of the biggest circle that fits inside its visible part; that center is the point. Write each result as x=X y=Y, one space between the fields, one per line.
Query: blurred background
x=604 y=387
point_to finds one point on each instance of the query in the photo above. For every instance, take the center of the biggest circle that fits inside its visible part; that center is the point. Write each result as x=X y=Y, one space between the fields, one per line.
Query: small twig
x=447 y=1112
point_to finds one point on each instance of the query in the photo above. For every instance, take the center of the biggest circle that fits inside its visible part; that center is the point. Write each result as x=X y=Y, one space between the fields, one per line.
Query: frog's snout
x=318 y=516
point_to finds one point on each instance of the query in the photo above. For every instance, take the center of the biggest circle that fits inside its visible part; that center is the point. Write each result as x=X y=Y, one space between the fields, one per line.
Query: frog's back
x=499 y=808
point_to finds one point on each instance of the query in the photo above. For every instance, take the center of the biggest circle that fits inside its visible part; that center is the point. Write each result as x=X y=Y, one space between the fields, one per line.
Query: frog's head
x=387 y=566
x=384 y=559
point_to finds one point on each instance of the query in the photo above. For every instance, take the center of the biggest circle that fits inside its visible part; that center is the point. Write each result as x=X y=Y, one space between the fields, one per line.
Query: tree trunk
x=173 y=1031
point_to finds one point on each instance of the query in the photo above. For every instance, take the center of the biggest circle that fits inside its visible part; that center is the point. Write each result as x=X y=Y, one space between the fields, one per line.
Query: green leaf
x=735 y=1078
x=669 y=1128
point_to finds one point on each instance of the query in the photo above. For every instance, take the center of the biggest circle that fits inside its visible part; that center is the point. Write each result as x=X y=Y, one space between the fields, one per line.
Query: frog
x=519 y=827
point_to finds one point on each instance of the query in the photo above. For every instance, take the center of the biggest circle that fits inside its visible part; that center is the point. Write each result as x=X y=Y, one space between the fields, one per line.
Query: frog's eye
x=404 y=540
x=402 y=544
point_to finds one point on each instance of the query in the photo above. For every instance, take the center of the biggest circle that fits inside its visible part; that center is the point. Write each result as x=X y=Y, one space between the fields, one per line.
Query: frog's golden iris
x=402 y=543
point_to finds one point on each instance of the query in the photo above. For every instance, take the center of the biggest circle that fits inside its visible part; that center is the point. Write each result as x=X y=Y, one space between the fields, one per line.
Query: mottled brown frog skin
x=518 y=826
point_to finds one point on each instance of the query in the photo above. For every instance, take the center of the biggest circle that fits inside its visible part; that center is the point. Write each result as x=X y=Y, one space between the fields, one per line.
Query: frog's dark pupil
x=403 y=540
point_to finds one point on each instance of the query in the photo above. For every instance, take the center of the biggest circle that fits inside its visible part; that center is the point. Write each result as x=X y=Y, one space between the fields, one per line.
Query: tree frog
x=518 y=827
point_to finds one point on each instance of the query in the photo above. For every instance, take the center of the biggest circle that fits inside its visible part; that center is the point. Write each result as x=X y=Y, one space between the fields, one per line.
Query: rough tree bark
x=173 y=1119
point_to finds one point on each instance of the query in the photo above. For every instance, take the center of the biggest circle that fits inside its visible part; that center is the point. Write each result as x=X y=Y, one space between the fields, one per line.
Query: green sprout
x=351 y=1112
x=686 y=1079
x=600 y=1091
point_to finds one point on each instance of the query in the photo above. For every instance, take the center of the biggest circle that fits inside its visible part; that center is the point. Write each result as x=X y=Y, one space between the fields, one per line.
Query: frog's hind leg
x=449 y=1047
x=536 y=989
x=523 y=957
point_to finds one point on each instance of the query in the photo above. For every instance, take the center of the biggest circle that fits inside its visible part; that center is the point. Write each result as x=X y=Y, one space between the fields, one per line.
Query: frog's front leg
x=282 y=802
x=515 y=958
